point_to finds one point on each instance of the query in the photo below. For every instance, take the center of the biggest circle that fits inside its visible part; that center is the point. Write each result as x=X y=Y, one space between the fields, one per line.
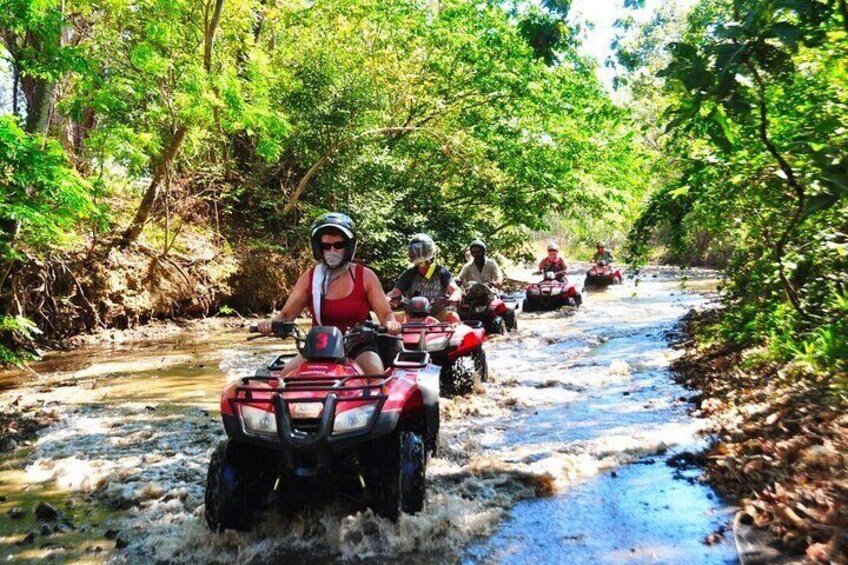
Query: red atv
x=456 y=348
x=325 y=428
x=601 y=275
x=551 y=293
x=482 y=302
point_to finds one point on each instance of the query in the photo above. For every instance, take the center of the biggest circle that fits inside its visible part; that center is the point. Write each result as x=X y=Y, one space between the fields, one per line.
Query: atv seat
x=388 y=346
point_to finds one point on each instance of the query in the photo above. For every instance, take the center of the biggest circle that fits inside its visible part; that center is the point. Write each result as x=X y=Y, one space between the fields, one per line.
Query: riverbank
x=781 y=446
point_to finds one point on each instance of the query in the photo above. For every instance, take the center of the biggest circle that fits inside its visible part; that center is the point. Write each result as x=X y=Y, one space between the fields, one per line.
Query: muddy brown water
x=561 y=459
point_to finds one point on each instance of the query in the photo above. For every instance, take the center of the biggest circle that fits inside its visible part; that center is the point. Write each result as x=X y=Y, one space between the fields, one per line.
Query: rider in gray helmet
x=428 y=279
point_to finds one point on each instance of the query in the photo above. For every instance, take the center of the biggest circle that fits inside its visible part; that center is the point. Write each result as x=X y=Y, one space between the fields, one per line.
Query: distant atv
x=482 y=302
x=550 y=294
x=601 y=275
x=456 y=348
x=325 y=429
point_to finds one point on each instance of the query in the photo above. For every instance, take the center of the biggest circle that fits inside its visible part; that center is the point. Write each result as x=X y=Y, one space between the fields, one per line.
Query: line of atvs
x=328 y=430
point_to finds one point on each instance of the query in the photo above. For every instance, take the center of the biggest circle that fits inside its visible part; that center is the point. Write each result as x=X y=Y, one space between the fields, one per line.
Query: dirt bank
x=782 y=444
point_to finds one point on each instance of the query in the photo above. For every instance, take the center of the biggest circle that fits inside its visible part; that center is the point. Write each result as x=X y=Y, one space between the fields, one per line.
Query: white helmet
x=421 y=248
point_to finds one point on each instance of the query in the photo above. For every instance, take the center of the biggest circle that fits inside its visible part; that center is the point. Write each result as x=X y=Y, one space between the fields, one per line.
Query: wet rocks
x=29 y=539
x=715 y=537
x=686 y=460
x=45 y=512
x=16 y=513
x=8 y=445
x=121 y=543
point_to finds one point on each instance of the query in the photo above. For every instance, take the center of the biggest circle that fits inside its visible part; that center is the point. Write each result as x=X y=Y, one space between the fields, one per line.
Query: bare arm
x=453 y=291
x=297 y=300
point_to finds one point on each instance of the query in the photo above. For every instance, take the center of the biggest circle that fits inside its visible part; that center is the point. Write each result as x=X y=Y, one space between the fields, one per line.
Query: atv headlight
x=258 y=420
x=555 y=291
x=533 y=291
x=353 y=419
x=437 y=344
x=479 y=309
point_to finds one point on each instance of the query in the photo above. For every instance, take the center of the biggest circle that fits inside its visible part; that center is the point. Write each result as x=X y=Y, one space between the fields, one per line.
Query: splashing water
x=572 y=397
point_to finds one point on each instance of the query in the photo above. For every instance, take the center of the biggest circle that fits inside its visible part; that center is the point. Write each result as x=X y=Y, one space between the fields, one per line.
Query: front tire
x=528 y=306
x=402 y=476
x=459 y=377
x=511 y=322
x=575 y=300
x=237 y=484
x=496 y=326
x=481 y=365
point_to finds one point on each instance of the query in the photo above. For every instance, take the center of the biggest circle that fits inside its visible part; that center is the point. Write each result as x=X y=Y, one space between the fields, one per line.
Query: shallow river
x=560 y=460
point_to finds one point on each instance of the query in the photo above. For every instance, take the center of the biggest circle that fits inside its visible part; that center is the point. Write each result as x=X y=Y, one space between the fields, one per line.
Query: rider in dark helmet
x=553 y=262
x=336 y=291
x=480 y=269
x=427 y=279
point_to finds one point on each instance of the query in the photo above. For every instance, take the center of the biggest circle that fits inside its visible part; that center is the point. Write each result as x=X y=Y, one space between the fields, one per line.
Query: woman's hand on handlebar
x=264 y=327
x=393 y=327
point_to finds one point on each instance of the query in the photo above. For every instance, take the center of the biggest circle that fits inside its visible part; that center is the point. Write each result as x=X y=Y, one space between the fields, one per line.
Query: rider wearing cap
x=480 y=269
x=427 y=279
x=601 y=254
x=337 y=291
x=553 y=262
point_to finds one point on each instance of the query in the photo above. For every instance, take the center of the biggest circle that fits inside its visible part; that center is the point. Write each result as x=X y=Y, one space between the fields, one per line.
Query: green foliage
x=42 y=196
x=19 y=326
x=755 y=98
x=462 y=119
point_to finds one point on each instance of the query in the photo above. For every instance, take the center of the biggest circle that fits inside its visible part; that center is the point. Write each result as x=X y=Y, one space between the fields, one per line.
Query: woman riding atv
x=337 y=292
x=428 y=279
x=553 y=263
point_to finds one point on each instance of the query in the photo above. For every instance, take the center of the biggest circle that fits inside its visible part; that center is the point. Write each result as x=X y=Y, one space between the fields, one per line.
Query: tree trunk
x=143 y=212
x=333 y=149
x=211 y=28
x=798 y=190
x=38 y=115
x=16 y=80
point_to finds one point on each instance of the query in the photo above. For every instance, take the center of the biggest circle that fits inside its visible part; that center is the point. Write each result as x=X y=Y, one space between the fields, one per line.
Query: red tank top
x=344 y=313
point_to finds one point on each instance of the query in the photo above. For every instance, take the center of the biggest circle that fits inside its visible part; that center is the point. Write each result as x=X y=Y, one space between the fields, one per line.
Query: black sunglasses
x=335 y=245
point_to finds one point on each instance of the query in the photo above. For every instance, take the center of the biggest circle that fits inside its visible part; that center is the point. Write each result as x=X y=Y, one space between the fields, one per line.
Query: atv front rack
x=314 y=436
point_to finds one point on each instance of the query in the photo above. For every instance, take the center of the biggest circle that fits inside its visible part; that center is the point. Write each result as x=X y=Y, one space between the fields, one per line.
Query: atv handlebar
x=402 y=302
x=282 y=330
x=369 y=327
